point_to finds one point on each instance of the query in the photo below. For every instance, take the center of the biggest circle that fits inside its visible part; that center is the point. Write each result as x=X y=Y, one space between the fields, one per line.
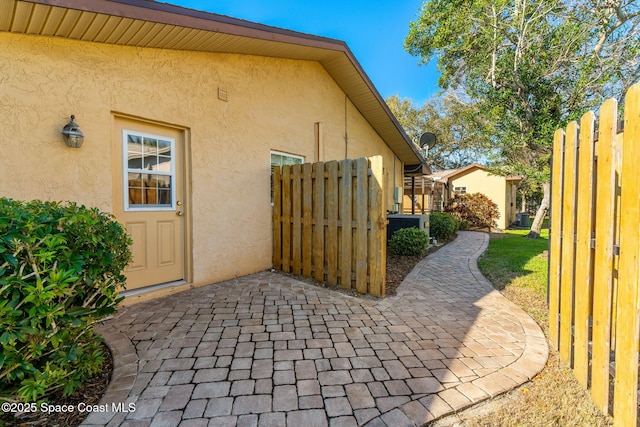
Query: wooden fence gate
x=329 y=223
x=594 y=264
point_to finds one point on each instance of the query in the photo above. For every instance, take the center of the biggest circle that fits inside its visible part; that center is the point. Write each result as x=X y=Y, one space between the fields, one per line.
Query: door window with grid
x=149 y=171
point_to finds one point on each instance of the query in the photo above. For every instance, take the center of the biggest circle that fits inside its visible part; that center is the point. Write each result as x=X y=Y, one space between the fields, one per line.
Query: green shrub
x=476 y=209
x=463 y=225
x=60 y=267
x=409 y=241
x=442 y=225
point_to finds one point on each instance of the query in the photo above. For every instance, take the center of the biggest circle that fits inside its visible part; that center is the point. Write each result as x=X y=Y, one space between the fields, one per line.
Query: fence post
x=628 y=308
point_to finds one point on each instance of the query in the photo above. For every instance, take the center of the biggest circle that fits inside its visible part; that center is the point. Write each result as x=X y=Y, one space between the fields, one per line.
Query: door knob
x=179 y=213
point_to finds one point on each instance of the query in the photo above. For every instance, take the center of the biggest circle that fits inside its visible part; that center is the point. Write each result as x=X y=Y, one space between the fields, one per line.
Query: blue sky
x=374 y=30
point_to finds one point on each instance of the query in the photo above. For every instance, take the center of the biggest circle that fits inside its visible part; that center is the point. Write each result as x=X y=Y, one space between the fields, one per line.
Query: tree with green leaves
x=461 y=132
x=531 y=66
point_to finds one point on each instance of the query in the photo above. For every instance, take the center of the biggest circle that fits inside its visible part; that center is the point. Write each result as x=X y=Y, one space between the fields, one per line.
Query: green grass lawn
x=512 y=260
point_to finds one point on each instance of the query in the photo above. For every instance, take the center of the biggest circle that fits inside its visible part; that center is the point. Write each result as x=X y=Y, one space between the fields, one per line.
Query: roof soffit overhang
x=144 y=23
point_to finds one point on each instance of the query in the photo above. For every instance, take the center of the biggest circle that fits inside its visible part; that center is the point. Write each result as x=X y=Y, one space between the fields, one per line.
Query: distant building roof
x=446 y=175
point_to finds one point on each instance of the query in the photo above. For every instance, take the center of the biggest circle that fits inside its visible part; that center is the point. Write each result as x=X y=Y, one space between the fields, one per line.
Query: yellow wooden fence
x=329 y=223
x=594 y=311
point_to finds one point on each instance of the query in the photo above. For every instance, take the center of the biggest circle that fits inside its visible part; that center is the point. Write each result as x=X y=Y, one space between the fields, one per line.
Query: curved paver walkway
x=269 y=350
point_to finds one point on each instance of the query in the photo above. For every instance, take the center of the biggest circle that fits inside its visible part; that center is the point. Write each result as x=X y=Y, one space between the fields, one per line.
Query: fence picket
x=286 y=219
x=584 y=253
x=377 y=232
x=567 y=266
x=331 y=244
x=277 y=219
x=617 y=155
x=346 y=217
x=362 y=210
x=555 y=236
x=319 y=220
x=603 y=263
x=296 y=222
x=307 y=241
x=628 y=307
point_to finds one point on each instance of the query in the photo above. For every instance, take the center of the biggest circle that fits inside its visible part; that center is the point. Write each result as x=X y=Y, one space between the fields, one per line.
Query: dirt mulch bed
x=399 y=266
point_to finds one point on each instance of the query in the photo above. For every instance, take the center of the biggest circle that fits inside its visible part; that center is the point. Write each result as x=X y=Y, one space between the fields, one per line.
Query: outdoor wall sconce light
x=72 y=135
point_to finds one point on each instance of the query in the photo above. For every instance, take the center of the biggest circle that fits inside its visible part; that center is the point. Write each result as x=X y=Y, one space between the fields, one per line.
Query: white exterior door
x=148 y=200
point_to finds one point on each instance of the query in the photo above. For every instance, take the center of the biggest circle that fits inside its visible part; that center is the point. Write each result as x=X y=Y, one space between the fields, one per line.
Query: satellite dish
x=427 y=140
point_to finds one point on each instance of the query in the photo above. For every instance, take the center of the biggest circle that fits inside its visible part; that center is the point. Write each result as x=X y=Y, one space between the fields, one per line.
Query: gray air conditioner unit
x=398 y=221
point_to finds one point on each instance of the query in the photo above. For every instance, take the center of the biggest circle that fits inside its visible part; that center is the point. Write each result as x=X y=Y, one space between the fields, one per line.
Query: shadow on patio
x=269 y=350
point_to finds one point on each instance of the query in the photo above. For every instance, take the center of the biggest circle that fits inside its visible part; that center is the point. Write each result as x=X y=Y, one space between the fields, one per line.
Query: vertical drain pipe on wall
x=346 y=132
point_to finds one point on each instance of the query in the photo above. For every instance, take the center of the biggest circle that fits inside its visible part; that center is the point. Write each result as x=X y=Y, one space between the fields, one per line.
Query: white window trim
x=281 y=153
x=126 y=170
x=459 y=188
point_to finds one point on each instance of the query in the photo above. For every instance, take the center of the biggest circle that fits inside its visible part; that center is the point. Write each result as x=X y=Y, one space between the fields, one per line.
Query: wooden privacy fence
x=329 y=223
x=595 y=254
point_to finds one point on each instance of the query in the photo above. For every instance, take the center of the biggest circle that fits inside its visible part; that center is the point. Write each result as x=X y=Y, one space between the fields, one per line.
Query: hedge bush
x=476 y=209
x=409 y=241
x=442 y=225
x=60 y=267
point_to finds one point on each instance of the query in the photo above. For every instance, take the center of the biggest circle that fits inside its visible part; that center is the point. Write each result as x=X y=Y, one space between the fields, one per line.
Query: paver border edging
x=535 y=344
x=125 y=372
x=531 y=362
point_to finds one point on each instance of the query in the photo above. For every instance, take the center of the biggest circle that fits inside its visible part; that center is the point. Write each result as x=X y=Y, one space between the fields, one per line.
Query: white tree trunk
x=536 y=226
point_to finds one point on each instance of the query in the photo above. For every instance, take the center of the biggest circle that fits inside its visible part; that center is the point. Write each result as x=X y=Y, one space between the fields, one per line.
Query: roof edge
x=169 y=14
x=461 y=171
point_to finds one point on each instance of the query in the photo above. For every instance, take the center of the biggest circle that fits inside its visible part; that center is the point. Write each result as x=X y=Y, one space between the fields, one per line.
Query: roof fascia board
x=165 y=13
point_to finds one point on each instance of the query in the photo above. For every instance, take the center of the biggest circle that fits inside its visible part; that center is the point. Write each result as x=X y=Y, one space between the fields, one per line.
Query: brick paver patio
x=270 y=350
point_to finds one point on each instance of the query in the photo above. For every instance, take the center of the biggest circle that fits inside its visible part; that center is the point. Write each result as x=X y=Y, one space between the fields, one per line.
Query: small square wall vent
x=222 y=94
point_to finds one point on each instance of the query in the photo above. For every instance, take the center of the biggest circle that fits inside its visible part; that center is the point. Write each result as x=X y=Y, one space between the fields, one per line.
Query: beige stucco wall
x=273 y=104
x=493 y=186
